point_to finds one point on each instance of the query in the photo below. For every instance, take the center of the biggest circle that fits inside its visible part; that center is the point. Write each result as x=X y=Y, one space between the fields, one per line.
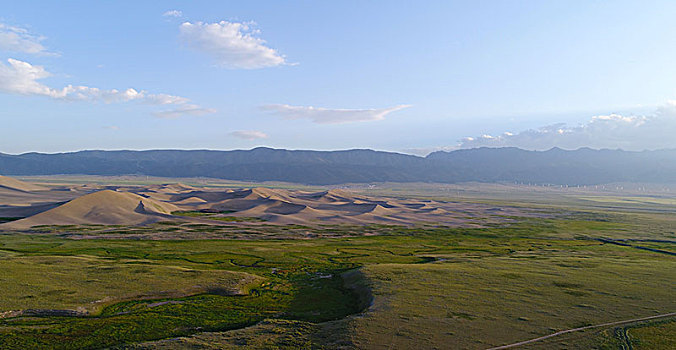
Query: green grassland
x=494 y=300
x=376 y=287
x=87 y=282
x=630 y=200
x=654 y=336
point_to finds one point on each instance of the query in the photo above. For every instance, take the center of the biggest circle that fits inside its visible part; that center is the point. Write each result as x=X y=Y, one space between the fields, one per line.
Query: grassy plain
x=654 y=336
x=173 y=285
x=87 y=282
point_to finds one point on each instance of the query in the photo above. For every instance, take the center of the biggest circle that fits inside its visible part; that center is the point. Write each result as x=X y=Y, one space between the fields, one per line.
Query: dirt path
x=580 y=329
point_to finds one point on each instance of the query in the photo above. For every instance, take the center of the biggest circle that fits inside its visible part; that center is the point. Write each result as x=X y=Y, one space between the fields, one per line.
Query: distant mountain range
x=556 y=166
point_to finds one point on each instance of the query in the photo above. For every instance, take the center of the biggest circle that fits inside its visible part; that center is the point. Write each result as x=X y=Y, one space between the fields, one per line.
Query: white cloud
x=85 y=93
x=19 y=77
x=427 y=150
x=173 y=13
x=185 y=109
x=15 y=39
x=249 y=134
x=164 y=99
x=112 y=127
x=331 y=116
x=634 y=132
x=232 y=44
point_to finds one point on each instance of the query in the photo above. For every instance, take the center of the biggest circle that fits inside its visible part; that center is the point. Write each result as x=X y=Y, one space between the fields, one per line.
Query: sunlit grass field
x=81 y=282
x=416 y=287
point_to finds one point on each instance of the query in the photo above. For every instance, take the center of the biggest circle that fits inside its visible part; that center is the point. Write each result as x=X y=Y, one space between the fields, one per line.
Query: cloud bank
x=249 y=134
x=331 y=116
x=173 y=13
x=634 y=132
x=184 y=109
x=234 y=45
x=15 y=39
x=19 y=77
x=23 y=78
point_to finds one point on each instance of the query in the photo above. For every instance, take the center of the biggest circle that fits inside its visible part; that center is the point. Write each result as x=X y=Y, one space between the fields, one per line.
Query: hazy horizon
x=415 y=152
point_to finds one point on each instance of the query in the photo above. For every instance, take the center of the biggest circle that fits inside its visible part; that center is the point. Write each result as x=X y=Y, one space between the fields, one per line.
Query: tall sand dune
x=241 y=204
x=212 y=196
x=22 y=211
x=104 y=207
x=135 y=205
x=329 y=196
x=190 y=201
x=17 y=185
x=174 y=188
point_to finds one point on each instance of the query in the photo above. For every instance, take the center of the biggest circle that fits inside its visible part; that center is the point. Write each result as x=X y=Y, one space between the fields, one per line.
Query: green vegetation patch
x=87 y=282
x=656 y=335
x=429 y=286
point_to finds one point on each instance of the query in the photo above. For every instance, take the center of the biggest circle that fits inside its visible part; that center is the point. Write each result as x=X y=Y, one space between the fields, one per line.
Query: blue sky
x=387 y=75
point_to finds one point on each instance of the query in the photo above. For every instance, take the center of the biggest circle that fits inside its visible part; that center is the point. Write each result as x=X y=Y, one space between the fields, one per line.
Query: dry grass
x=479 y=303
x=88 y=283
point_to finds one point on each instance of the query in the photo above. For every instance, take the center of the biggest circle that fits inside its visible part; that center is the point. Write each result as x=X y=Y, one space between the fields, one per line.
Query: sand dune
x=19 y=199
x=211 y=196
x=190 y=201
x=17 y=185
x=285 y=208
x=237 y=204
x=22 y=211
x=164 y=192
x=336 y=196
x=173 y=188
x=262 y=192
x=377 y=209
x=333 y=206
x=352 y=208
x=435 y=211
x=104 y=207
x=138 y=205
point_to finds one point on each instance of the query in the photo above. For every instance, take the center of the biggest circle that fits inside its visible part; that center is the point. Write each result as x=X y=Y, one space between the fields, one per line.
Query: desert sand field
x=36 y=205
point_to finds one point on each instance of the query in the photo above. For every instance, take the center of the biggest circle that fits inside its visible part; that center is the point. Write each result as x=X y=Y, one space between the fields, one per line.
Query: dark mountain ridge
x=556 y=166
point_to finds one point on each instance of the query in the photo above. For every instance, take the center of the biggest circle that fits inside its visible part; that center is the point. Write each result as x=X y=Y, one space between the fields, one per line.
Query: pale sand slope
x=17 y=185
x=331 y=207
x=104 y=207
x=137 y=205
x=21 y=199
